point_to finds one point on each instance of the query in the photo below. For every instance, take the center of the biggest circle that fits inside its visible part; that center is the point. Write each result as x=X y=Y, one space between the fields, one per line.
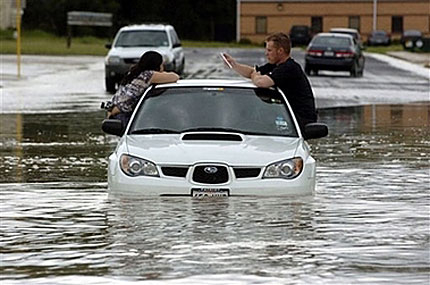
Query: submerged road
x=65 y=84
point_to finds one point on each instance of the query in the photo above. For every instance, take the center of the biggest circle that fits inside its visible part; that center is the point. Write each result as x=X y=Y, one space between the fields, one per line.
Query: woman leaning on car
x=149 y=70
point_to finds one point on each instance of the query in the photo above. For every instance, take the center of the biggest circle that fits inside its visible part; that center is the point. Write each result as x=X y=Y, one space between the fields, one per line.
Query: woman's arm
x=164 y=77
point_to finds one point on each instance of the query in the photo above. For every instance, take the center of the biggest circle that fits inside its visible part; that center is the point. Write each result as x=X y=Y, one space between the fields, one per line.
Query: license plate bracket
x=210 y=192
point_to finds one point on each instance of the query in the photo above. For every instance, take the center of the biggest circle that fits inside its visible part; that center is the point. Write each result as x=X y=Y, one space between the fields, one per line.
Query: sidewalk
x=422 y=59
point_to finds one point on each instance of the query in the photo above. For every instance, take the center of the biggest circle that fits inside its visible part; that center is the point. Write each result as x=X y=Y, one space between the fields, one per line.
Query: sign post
x=79 y=18
x=18 y=37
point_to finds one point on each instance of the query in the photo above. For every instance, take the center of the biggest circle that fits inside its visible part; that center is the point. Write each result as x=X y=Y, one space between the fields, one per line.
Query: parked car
x=412 y=39
x=379 y=37
x=212 y=138
x=300 y=35
x=337 y=52
x=352 y=32
x=132 y=41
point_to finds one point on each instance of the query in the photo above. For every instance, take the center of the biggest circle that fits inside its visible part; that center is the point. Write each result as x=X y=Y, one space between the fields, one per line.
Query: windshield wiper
x=227 y=130
x=153 y=131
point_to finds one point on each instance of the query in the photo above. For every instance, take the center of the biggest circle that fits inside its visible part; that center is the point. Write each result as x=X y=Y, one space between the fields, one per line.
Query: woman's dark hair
x=150 y=60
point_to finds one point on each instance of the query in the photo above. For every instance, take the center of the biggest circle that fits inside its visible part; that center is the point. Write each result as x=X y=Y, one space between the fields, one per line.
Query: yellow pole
x=18 y=36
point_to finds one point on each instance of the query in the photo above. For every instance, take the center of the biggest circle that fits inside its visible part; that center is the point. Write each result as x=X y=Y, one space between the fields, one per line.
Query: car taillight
x=313 y=52
x=346 y=54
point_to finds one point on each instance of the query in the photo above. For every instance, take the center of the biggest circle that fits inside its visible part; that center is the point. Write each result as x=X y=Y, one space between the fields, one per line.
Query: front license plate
x=210 y=192
x=329 y=53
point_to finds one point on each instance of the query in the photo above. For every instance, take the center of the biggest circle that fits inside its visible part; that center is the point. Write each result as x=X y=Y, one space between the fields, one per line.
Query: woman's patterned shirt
x=128 y=95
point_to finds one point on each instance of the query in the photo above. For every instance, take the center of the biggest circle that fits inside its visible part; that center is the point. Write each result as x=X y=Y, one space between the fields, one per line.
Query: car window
x=412 y=33
x=332 y=41
x=248 y=110
x=379 y=33
x=354 y=35
x=175 y=38
x=142 y=38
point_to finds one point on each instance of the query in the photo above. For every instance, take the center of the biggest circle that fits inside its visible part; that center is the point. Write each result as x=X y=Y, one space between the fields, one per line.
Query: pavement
x=420 y=58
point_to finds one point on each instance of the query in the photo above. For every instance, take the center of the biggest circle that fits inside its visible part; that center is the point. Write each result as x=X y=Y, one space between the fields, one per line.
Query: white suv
x=132 y=41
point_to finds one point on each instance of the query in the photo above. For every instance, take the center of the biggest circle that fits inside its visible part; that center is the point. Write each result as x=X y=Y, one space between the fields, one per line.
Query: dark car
x=337 y=52
x=379 y=37
x=300 y=35
x=412 y=39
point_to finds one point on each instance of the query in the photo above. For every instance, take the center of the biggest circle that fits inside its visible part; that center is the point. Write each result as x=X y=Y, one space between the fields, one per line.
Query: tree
x=193 y=19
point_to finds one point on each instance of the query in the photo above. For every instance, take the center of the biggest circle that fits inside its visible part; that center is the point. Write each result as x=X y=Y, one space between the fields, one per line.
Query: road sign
x=77 y=18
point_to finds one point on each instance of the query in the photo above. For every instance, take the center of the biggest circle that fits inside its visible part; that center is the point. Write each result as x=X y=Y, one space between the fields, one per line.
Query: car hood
x=252 y=150
x=136 y=52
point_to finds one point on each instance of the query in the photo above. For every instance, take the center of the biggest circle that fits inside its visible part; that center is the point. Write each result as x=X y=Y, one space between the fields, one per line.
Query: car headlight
x=113 y=60
x=134 y=166
x=288 y=169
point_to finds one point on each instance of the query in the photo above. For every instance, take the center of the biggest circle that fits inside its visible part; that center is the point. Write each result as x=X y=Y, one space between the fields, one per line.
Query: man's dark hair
x=280 y=40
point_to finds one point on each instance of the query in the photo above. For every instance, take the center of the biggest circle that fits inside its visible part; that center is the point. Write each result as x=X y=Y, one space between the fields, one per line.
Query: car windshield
x=243 y=110
x=341 y=42
x=142 y=39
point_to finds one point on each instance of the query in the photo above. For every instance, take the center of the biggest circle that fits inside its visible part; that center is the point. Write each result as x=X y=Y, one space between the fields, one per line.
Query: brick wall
x=281 y=15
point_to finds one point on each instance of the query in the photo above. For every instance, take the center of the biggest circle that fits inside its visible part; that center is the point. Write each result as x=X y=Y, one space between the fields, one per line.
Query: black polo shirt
x=291 y=79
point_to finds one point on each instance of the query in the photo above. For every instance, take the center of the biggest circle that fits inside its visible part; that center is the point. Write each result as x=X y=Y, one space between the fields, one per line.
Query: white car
x=131 y=42
x=212 y=138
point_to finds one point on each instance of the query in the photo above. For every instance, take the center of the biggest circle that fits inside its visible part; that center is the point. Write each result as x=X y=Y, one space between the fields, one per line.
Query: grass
x=42 y=43
x=384 y=49
x=38 y=42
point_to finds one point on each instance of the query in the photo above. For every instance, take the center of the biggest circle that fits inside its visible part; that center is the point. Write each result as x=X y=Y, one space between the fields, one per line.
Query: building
x=258 y=18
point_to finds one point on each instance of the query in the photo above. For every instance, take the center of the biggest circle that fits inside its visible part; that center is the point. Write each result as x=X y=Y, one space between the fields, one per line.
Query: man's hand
x=230 y=60
x=242 y=69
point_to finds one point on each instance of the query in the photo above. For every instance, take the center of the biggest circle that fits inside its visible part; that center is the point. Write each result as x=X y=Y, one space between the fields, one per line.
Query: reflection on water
x=53 y=147
x=368 y=222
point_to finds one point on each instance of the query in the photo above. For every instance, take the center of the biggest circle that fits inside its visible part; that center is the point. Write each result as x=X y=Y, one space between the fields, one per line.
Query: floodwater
x=367 y=223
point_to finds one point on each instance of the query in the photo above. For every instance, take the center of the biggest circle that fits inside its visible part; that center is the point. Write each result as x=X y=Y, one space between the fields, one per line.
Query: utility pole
x=375 y=14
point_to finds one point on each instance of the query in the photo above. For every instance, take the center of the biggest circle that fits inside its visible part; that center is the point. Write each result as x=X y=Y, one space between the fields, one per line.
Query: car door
x=177 y=49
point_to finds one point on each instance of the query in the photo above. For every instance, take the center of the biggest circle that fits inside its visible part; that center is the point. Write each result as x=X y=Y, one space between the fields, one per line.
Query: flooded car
x=336 y=52
x=212 y=138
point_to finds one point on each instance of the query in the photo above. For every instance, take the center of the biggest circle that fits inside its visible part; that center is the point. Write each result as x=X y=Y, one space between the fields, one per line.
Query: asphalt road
x=70 y=83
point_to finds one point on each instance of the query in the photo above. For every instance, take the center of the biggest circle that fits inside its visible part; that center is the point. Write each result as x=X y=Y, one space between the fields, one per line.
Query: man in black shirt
x=284 y=72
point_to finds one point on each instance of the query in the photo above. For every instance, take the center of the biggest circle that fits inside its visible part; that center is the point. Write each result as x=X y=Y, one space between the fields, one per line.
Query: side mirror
x=315 y=131
x=177 y=45
x=113 y=127
x=108 y=45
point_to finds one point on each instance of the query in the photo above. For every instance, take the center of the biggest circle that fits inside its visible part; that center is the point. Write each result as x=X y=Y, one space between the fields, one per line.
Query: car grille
x=210 y=174
x=131 y=60
x=246 y=172
x=176 y=171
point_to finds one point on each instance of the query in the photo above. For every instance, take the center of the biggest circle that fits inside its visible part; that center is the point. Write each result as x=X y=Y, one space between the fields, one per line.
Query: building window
x=397 y=24
x=261 y=25
x=316 y=24
x=354 y=22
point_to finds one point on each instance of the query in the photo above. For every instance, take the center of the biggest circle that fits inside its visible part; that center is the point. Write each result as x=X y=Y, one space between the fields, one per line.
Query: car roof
x=209 y=83
x=155 y=27
x=346 y=30
x=334 y=35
